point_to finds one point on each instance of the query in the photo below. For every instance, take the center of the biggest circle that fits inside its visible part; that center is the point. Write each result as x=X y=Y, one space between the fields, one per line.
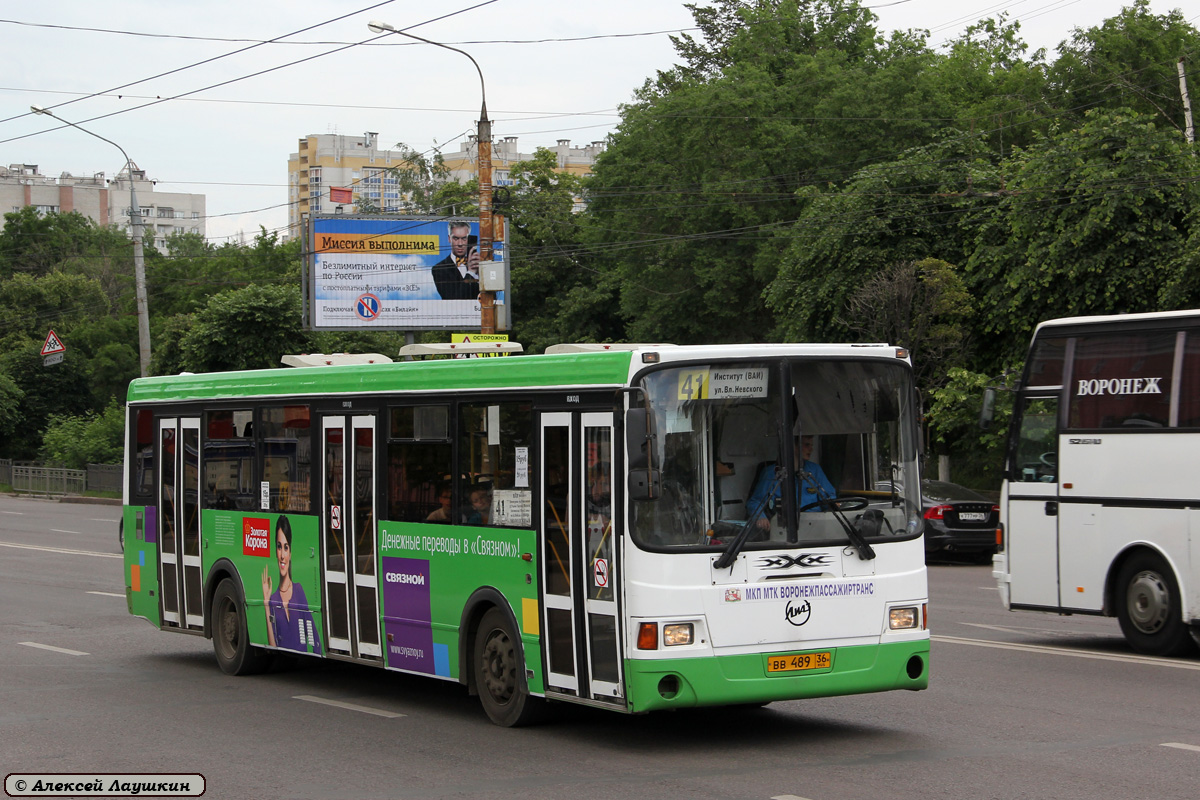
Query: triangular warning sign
x=53 y=345
x=466 y=340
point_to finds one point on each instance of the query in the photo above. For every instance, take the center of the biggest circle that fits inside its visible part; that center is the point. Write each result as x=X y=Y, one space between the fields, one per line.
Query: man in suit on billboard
x=457 y=275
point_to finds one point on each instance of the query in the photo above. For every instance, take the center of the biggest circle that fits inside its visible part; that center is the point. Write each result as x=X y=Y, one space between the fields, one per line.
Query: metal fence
x=6 y=471
x=104 y=477
x=48 y=480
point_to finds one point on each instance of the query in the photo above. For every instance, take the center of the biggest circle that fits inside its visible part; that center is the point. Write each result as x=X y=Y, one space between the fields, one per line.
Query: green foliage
x=249 y=328
x=418 y=179
x=1128 y=61
x=62 y=389
x=76 y=441
x=953 y=421
x=11 y=418
x=1101 y=209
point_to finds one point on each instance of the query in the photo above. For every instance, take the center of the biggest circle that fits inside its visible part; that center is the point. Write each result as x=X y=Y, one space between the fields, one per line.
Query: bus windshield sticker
x=512 y=508
x=727 y=384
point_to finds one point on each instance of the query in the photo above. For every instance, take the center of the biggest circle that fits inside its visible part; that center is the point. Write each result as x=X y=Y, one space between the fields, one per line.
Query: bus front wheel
x=1148 y=607
x=231 y=639
x=499 y=673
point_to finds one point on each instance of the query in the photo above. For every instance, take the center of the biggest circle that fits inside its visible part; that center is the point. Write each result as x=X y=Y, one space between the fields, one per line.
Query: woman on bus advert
x=289 y=621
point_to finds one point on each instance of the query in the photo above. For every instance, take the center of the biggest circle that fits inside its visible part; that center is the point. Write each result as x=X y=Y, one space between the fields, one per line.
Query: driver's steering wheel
x=843 y=502
x=1049 y=459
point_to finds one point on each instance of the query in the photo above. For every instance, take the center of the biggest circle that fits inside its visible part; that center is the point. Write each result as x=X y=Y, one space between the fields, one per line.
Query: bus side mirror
x=987 y=412
x=639 y=451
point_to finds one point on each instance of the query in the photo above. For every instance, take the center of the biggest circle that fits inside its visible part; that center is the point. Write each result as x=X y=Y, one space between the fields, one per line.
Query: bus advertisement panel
x=394 y=273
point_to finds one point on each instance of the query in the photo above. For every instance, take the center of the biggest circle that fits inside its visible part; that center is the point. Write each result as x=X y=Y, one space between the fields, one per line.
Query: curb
x=102 y=501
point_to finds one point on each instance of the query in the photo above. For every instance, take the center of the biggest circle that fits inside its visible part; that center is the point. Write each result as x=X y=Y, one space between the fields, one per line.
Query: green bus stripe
x=576 y=369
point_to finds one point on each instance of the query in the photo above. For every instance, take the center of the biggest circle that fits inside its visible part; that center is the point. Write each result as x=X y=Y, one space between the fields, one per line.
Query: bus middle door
x=580 y=556
x=348 y=532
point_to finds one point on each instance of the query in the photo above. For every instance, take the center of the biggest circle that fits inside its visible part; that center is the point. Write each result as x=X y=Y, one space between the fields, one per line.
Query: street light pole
x=487 y=300
x=139 y=262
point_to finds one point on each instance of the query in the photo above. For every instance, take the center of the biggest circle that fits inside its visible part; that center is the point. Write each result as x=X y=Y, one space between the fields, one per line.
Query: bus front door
x=1032 y=534
x=580 y=557
x=180 y=575
x=348 y=532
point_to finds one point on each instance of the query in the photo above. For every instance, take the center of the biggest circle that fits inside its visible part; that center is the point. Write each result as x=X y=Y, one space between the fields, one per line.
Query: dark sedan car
x=958 y=520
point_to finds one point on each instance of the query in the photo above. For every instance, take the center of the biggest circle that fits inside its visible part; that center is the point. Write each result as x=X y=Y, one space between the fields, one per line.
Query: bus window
x=229 y=461
x=490 y=438
x=1189 y=383
x=1035 y=458
x=287 y=456
x=1122 y=381
x=1046 y=362
x=143 y=448
x=419 y=463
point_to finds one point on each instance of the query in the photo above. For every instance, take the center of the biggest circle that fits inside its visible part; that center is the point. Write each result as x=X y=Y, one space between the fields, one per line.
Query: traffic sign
x=53 y=345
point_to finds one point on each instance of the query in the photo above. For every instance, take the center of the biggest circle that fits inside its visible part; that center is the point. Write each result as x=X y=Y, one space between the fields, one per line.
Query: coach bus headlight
x=904 y=618
x=681 y=633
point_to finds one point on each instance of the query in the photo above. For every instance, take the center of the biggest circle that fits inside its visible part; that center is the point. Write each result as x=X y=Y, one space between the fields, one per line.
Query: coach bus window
x=1035 y=458
x=419 y=462
x=493 y=459
x=1046 y=363
x=1189 y=383
x=287 y=456
x=1122 y=381
x=229 y=461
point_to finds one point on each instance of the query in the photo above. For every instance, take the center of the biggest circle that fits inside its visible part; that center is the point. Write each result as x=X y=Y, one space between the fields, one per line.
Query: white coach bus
x=1100 y=505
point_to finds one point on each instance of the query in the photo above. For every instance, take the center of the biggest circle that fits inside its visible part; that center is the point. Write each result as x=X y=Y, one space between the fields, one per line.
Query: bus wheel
x=1148 y=606
x=231 y=640
x=499 y=673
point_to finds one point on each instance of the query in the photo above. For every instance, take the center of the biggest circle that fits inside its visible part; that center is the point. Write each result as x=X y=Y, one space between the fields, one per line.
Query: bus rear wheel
x=499 y=673
x=1149 y=607
x=231 y=639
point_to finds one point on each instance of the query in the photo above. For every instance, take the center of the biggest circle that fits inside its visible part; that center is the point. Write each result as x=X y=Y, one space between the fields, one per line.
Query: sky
x=202 y=106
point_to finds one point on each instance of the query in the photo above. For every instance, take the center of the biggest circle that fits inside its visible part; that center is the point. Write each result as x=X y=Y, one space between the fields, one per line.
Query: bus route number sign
x=794 y=662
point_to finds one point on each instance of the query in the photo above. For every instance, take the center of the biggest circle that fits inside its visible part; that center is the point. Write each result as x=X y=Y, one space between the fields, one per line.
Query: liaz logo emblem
x=797 y=613
x=787 y=562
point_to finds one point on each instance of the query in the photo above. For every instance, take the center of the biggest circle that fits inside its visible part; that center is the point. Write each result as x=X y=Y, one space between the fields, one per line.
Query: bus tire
x=500 y=673
x=231 y=638
x=1148 y=607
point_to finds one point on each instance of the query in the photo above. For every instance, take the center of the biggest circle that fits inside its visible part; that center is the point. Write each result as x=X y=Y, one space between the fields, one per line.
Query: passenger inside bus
x=814 y=489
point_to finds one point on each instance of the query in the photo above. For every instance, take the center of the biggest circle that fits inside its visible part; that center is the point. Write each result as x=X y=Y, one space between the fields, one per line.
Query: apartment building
x=105 y=201
x=336 y=161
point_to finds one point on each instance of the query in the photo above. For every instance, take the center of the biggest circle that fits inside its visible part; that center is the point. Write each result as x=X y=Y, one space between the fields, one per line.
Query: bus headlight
x=904 y=618
x=676 y=634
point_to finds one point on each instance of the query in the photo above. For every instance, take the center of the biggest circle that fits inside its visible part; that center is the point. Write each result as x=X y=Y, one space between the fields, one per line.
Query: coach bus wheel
x=1148 y=606
x=231 y=640
x=499 y=673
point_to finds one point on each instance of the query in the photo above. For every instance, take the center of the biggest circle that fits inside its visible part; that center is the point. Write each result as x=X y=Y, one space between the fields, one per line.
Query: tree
x=76 y=441
x=248 y=328
x=1128 y=61
x=61 y=389
x=922 y=205
x=557 y=295
x=1101 y=209
x=418 y=179
x=922 y=306
x=34 y=243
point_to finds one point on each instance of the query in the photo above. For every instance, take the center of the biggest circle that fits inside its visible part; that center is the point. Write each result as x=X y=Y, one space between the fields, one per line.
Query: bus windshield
x=779 y=454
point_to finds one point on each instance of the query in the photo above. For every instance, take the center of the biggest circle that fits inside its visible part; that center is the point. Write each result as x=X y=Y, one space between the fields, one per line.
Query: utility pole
x=1189 y=131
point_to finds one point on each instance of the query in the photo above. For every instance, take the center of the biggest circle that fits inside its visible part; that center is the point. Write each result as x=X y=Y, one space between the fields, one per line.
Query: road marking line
x=788 y=797
x=106 y=519
x=60 y=530
x=60 y=550
x=108 y=594
x=1064 y=651
x=1027 y=629
x=1182 y=746
x=55 y=649
x=379 y=712
x=15 y=513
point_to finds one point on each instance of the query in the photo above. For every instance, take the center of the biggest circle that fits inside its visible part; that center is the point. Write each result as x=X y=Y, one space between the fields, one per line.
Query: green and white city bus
x=605 y=525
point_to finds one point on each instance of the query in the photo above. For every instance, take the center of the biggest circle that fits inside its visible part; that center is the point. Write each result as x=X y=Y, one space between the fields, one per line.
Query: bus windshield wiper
x=731 y=552
x=865 y=551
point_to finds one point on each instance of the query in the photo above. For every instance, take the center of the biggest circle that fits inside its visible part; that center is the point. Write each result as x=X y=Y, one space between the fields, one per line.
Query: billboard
x=395 y=273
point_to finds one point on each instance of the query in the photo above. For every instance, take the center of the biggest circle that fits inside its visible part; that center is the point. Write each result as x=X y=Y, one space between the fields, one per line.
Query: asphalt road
x=1020 y=706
